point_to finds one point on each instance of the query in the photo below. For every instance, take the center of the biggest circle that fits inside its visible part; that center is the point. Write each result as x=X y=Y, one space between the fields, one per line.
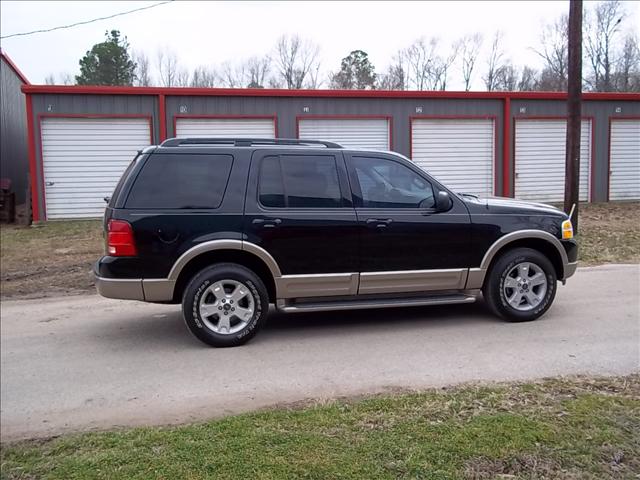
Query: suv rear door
x=299 y=209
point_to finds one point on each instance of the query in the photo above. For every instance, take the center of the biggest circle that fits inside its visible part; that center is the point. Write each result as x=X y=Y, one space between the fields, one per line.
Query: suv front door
x=405 y=243
x=299 y=209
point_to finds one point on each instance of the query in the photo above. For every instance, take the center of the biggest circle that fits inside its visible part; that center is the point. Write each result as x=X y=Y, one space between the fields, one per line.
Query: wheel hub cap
x=227 y=306
x=525 y=286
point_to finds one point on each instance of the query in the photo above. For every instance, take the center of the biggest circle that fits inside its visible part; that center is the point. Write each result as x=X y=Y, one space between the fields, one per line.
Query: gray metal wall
x=14 y=158
x=287 y=109
x=600 y=111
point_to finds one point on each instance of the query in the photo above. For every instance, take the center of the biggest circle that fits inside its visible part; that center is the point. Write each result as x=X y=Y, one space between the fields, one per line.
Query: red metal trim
x=32 y=160
x=591 y=118
x=493 y=118
x=506 y=149
x=388 y=118
x=15 y=69
x=260 y=92
x=611 y=118
x=274 y=118
x=41 y=116
x=162 y=113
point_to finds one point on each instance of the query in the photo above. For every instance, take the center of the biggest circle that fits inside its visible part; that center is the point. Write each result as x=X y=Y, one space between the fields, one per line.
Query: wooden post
x=574 y=107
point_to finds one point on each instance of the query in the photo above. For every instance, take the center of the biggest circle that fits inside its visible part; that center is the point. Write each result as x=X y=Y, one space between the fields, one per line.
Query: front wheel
x=521 y=285
x=224 y=305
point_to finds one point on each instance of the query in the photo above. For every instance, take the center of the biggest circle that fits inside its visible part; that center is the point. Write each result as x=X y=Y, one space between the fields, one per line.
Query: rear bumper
x=148 y=290
x=124 y=289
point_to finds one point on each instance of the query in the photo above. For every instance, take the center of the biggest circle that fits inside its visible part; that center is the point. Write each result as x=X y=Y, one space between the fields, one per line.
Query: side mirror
x=443 y=201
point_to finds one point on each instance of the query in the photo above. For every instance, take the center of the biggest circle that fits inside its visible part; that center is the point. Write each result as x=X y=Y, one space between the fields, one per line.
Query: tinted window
x=300 y=181
x=388 y=184
x=271 y=189
x=181 y=181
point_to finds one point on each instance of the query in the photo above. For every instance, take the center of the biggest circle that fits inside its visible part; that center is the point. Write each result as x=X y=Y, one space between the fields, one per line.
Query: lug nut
x=219 y=308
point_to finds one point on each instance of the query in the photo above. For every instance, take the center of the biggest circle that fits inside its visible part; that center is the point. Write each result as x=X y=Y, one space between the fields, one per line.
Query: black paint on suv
x=227 y=227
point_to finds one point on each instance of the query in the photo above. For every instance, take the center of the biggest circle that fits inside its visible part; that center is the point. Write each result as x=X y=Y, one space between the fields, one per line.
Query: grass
x=572 y=428
x=609 y=233
x=52 y=259
x=56 y=258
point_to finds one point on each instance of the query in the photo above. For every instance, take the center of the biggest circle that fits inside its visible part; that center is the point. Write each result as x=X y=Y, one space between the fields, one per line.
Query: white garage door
x=624 y=180
x=540 y=159
x=83 y=159
x=226 y=127
x=459 y=153
x=350 y=133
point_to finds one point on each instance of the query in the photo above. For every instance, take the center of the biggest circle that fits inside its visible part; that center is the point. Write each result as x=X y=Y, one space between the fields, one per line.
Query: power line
x=86 y=21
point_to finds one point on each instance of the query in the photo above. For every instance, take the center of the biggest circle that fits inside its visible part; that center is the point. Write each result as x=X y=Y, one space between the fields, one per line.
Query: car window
x=388 y=184
x=181 y=181
x=270 y=183
x=299 y=181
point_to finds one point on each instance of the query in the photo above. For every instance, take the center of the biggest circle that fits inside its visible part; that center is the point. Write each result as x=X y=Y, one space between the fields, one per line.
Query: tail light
x=120 y=241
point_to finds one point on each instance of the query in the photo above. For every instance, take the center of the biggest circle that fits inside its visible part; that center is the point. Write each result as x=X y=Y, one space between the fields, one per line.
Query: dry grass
x=609 y=233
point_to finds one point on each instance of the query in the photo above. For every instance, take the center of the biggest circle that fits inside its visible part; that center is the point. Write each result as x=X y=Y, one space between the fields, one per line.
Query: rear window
x=181 y=181
x=299 y=181
x=123 y=178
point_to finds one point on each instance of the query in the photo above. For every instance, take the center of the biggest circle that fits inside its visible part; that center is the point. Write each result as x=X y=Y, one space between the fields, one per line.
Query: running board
x=283 y=306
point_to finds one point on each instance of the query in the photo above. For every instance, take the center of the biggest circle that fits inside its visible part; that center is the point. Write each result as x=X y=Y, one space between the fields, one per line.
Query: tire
x=209 y=309
x=507 y=279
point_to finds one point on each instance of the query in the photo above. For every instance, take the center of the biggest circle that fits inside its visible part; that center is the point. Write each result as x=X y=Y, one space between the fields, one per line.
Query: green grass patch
x=575 y=428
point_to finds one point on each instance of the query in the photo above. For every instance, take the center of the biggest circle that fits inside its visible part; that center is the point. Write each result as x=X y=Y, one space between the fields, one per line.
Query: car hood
x=510 y=205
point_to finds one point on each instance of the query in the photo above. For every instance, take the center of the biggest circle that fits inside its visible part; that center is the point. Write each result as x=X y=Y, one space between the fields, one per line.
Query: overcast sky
x=215 y=32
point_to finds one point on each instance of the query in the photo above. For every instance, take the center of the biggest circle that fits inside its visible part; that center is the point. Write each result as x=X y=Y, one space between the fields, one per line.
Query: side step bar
x=447 y=299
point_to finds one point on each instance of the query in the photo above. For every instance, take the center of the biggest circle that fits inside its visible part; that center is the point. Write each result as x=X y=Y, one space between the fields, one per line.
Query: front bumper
x=570 y=269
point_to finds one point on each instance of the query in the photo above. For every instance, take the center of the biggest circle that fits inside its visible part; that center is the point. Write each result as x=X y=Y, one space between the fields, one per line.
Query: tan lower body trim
x=158 y=290
x=476 y=277
x=412 y=281
x=322 y=285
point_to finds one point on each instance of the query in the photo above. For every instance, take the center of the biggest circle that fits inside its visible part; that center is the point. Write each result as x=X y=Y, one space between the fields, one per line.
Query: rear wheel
x=224 y=305
x=521 y=285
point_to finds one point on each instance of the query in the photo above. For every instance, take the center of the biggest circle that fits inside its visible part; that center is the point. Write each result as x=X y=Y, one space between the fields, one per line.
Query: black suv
x=228 y=226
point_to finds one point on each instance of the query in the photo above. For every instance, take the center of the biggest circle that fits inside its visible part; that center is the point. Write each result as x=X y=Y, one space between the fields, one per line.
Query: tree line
x=611 y=63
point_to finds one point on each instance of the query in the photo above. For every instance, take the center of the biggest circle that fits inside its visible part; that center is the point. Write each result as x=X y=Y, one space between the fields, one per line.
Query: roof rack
x=245 y=142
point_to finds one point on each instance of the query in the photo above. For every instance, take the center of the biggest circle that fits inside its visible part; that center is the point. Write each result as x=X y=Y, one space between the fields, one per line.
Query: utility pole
x=574 y=107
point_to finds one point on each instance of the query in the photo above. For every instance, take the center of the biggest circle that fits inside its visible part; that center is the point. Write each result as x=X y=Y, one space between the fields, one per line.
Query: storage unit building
x=14 y=159
x=540 y=146
x=624 y=159
x=486 y=143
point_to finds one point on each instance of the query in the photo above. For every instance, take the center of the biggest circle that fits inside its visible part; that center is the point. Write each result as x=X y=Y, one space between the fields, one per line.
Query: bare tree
x=469 y=47
x=494 y=62
x=182 y=77
x=295 y=59
x=50 y=79
x=203 y=77
x=506 y=78
x=602 y=26
x=420 y=57
x=528 y=81
x=234 y=76
x=67 y=79
x=396 y=76
x=257 y=69
x=143 y=73
x=553 y=51
x=167 y=68
x=627 y=73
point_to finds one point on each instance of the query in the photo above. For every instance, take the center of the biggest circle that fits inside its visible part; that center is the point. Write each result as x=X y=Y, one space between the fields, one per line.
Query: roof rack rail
x=245 y=142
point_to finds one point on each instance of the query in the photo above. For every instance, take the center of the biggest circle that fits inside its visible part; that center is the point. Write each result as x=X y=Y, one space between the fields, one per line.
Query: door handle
x=266 y=222
x=379 y=222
